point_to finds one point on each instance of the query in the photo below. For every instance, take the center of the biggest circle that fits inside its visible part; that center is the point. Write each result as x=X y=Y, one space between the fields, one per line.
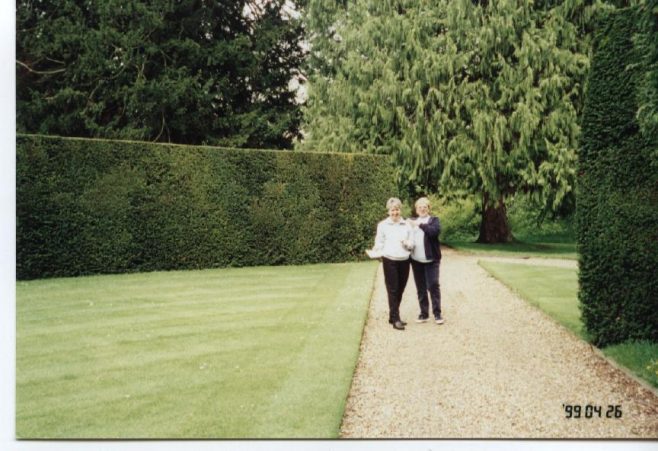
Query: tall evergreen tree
x=185 y=71
x=468 y=96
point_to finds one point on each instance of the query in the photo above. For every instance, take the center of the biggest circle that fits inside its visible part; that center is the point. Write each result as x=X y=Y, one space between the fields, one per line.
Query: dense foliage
x=96 y=206
x=648 y=92
x=188 y=71
x=460 y=221
x=478 y=98
x=618 y=190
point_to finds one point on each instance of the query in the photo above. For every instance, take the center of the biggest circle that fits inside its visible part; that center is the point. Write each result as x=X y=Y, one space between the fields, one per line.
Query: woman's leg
x=391 y=278
x=403 y=277
x=432 y=278
x=421 y=287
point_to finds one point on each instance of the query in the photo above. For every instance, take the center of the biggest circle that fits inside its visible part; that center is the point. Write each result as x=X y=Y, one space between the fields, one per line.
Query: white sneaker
x=439 y=320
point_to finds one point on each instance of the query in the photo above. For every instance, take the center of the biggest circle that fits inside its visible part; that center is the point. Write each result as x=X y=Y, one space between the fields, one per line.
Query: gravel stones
x=497 y=368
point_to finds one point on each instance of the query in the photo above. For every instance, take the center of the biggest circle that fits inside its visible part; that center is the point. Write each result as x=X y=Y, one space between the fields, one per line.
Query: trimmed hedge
x=617 y=194
x=99 y=206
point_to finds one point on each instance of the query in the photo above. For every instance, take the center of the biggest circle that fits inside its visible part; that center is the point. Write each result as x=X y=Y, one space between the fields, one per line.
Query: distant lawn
x=544 y=249
x=555 y=291
x=555 y=240
x=262 y=352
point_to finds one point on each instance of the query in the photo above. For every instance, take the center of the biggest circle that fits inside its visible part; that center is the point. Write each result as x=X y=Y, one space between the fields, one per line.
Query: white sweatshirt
x=390 y=237
x=419 y=242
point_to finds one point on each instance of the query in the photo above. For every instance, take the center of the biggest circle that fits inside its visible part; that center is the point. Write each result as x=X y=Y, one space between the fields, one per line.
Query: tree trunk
x=494 y=227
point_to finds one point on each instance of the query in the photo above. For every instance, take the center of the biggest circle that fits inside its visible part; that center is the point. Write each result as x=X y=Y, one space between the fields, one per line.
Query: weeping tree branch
x=40 y=72
x=161 y=128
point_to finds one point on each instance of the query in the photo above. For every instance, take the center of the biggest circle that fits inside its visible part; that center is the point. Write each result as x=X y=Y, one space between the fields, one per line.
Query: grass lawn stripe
x=153 y=358
x=308 y=386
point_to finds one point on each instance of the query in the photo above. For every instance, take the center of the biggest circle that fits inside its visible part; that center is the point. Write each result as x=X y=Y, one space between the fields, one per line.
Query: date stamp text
x=589 y=411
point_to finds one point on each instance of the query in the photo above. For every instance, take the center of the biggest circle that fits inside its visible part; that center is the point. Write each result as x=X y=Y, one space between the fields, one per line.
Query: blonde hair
x=423 y=201
x=393 y=202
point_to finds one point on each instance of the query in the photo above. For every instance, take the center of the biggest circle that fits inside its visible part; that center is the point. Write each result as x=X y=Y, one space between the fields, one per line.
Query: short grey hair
x=423 y=201
x=393 y=202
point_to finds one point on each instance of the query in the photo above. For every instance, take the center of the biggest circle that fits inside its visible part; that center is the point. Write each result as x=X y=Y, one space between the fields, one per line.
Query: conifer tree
x=186 y=71
x=468 y=97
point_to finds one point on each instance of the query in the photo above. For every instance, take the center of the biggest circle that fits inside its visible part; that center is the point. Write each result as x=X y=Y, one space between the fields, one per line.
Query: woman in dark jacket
x=425 y=260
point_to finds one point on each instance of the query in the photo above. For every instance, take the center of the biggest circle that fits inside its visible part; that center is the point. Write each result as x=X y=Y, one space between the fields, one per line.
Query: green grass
x=542 y=249
x=642 y=356
x=261 y=352
x=555 y=291
x=551 y=239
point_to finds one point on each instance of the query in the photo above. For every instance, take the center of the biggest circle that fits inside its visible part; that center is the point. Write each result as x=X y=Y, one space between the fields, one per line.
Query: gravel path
x=498 y=368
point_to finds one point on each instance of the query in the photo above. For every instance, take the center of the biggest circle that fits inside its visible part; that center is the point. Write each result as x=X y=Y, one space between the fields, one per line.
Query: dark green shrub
x=460 y=217
x=617 y=194
x=96 y=206
x=460 y=220
x=530 y=223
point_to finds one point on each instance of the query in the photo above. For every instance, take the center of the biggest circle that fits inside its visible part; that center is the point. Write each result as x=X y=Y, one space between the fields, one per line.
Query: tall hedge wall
x=97 y=206
x=617 y=194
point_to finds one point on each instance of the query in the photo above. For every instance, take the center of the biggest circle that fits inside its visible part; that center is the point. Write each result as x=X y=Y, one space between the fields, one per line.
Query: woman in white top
x=393 y=242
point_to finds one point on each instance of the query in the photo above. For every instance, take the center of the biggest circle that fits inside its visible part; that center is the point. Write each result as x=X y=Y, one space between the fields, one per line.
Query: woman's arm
x=432 y=228
x=379 y=238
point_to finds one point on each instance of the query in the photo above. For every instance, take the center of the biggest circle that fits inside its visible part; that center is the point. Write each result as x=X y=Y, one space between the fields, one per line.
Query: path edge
x=626 y=371
x=366 y=318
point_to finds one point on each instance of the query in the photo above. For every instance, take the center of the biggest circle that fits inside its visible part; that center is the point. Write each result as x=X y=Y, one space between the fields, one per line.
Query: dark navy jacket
x=432 y=230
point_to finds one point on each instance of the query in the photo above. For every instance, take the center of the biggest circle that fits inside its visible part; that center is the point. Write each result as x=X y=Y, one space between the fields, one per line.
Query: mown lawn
x=541 y=249
x=263 y=352
x=555 y=291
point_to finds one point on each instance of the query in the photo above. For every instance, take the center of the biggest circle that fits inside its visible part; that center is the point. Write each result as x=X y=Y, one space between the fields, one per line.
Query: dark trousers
x=396 y=275
x=426 y=277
